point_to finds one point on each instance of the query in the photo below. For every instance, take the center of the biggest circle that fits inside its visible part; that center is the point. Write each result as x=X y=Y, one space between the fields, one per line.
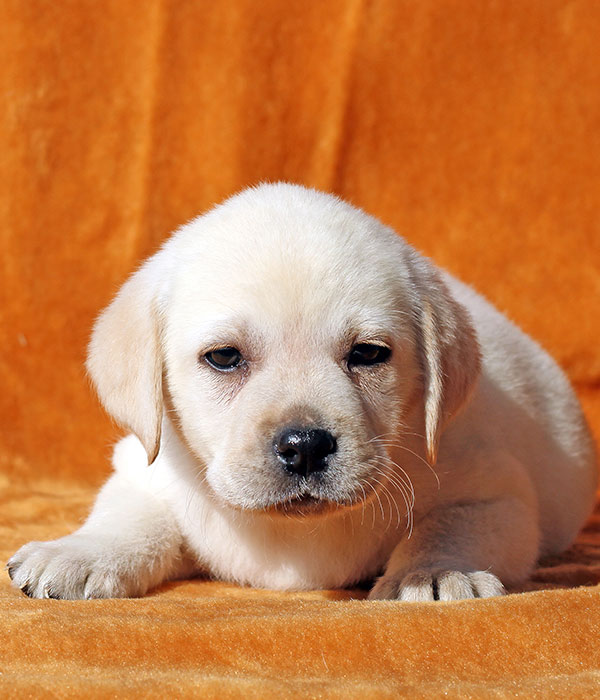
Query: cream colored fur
x=459 y=461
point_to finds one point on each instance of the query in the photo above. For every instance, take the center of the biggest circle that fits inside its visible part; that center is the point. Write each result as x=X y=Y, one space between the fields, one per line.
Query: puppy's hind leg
x=463 y=550
x=129 y=544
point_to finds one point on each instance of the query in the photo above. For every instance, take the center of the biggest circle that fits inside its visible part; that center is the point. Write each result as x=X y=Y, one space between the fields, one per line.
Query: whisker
x=389 y=467
x=385 y=493
x=364 y=498
x=402 y=476
x=396 y=434
x=372 y=502
x=405 y=490
x=425 y=462
x=390 y=498
x=398 y=445
x=408 y=504
x=379 y=501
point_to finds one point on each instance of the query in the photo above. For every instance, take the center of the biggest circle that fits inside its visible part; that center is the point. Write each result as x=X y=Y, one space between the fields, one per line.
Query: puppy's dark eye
x=224 y=359
x=368 y=354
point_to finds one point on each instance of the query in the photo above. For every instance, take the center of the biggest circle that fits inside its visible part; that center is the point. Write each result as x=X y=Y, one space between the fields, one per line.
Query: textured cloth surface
x=217 y=640
x=471 y=127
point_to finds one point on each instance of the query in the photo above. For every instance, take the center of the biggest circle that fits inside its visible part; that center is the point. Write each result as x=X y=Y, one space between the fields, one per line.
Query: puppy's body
x=343 y=330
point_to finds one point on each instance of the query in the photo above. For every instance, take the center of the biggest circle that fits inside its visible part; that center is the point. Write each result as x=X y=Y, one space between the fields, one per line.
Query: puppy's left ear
x=448 y=349
x=124 y=357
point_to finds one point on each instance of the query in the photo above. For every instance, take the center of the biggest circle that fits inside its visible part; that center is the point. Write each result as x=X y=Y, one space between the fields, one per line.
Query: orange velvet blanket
x=472 y=127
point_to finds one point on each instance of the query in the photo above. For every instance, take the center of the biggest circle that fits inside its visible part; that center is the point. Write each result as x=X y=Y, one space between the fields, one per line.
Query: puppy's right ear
x=448 y=349
x=124 y=357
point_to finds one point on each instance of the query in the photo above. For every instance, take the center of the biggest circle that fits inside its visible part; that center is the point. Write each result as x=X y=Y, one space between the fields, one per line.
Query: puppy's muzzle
x=304 y=452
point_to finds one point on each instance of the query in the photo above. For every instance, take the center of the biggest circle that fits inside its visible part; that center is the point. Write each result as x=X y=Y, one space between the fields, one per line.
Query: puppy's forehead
x=284 y=252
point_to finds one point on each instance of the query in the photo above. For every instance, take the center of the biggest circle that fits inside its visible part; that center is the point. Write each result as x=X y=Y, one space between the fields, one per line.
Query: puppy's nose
x=304 y=451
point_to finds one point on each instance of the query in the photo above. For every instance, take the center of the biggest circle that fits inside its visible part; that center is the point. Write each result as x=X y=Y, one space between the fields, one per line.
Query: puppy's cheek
x=383 y=400
x=218 y=481
x=206 y=430
x=235 y=484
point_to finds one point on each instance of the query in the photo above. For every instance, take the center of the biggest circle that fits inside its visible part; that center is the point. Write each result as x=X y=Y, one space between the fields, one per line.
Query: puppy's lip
x=302 y=505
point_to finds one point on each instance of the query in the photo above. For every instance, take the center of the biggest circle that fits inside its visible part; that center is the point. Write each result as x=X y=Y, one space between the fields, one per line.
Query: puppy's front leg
x=463 y=551
x=128 y=545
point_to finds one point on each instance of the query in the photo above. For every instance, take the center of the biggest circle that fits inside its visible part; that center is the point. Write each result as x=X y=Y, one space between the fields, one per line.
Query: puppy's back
x=542 y=425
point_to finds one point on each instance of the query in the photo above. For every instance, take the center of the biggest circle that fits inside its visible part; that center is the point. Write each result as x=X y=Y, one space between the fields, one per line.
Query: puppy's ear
x=448 y=350
x=124 y=357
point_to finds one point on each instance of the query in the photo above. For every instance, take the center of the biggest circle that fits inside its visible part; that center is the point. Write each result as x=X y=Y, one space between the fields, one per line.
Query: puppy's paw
x=421 y=586
x=73 y=567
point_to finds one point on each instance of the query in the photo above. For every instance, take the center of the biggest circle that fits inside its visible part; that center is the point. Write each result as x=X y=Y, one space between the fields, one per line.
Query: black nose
x=304 y=451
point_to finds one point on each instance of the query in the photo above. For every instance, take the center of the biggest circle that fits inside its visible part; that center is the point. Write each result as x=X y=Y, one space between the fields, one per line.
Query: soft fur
x=459 y=461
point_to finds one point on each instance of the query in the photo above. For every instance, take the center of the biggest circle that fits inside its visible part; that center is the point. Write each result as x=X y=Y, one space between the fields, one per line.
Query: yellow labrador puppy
x=319 y=405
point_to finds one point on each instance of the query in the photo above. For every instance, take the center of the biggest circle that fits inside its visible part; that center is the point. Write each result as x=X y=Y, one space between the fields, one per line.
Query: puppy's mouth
x=302 y=505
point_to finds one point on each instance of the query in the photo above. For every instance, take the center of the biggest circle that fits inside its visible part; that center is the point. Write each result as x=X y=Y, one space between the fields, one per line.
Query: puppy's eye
x=368 y=354
x=224 y=359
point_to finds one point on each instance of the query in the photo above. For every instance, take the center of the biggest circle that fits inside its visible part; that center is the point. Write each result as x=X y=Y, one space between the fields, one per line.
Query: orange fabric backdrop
x=472 y=127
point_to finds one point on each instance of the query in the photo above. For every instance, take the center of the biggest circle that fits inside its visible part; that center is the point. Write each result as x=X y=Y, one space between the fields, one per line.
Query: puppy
x=314 y=404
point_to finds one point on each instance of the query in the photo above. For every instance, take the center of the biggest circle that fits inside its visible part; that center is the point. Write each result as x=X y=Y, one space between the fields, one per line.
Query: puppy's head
x=289 y=331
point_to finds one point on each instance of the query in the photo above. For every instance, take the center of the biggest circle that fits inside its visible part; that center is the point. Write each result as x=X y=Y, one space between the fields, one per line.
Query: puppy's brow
x=211 y=332
x=365 y=333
